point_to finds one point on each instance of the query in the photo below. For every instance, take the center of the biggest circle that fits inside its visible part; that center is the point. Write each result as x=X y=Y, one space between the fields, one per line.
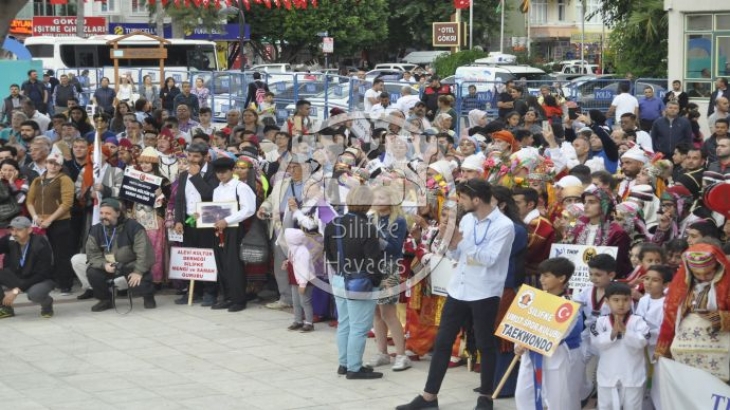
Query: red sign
x=66 y=26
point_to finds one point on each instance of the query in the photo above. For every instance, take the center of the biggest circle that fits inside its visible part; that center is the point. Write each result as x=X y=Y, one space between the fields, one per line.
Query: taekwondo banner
x=678 y=386
x=580 y=255
x=538 y=320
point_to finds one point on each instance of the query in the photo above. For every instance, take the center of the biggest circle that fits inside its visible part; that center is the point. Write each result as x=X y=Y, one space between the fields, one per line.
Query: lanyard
x=108 y=240
x=476 y=225
x=24 y=254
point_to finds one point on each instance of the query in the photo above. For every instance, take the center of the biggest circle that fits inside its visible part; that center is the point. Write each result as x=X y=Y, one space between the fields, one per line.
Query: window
x=139 y=7
x=707 y=51
x=109 y=6
x=561 y=10
x=592 y=6
x=538 y=12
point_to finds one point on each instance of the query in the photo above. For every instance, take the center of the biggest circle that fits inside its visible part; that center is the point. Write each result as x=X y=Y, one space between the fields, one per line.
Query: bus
x=74 y=54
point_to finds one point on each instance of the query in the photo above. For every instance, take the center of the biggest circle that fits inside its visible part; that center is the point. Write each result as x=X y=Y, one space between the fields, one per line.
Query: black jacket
x=360 y=244
x=251 y=92
x=666 y=135
x=713 y=99
x=205 y=184
x=130 y=246
x=38 y=260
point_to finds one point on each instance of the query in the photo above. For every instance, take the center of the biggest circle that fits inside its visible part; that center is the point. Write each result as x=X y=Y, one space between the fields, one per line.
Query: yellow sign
x=538 y=320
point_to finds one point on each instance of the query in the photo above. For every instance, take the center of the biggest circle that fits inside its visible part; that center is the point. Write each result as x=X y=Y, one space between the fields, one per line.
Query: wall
x=15 y=72
x=676 y=10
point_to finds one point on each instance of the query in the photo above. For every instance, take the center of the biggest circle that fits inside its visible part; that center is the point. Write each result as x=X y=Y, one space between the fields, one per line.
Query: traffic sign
x=328 y=45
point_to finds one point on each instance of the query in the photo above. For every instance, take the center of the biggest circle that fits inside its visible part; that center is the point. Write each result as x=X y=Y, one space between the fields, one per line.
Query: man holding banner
x=482 y=245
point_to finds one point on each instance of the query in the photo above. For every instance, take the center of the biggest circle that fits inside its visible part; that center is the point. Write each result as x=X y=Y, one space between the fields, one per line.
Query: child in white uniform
x=620 y=339
x=559 y=391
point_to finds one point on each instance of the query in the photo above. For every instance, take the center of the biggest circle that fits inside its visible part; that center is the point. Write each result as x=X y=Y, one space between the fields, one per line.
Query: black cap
x=198 y=148
x=111 y=203
x=224 y=164
x=250 y=152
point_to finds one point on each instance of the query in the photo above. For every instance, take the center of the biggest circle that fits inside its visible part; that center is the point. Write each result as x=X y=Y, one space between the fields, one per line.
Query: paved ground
x=179 y=357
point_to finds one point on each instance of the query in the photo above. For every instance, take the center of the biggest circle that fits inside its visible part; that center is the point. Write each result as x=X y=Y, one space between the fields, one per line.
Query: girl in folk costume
x=643 y=195
x=696 y=325
x=630 y=216
x=151 y=217
x=676 y=202
x=597 y=227
x=497 y=164
x=655 y=173
x=555 y=208
x=169 y=163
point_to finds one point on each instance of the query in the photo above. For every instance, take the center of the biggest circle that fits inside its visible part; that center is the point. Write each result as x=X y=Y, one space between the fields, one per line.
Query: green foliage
x=638 y=43
x=188 y=18
x=446 y=65
x=410 y=22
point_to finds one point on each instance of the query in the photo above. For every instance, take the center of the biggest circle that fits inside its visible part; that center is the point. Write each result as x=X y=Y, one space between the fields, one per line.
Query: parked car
x=598 y=93
x=388 y=74
x=395 y=66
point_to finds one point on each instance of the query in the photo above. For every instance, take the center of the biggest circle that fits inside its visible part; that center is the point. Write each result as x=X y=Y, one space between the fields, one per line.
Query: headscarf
x=507 y=137
x=682 y=198
x=675 y=306
x=475 y=116
x=605 y=198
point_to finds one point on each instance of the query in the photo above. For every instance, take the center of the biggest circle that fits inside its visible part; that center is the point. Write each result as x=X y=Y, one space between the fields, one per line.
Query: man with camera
x=28 y=268
x=119 y=248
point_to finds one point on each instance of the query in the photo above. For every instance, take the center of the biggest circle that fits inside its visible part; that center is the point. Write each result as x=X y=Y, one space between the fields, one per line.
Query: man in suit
x=721 y=91
x=286 y=189
x=196 y=185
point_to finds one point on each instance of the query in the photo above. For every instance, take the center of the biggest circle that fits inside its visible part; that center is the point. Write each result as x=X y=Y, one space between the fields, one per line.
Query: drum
x=717 y=198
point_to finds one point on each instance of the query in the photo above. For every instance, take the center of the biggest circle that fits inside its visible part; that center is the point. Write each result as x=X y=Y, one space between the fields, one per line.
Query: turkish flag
x=462 y=4
x=58 y=2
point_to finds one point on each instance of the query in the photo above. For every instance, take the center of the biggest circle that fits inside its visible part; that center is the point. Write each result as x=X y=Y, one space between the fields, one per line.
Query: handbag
x=254 y=247
x=9 y=207
x=354 y=282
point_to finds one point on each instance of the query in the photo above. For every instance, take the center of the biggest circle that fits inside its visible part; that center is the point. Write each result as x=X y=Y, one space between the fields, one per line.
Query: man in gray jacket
x=118 y=246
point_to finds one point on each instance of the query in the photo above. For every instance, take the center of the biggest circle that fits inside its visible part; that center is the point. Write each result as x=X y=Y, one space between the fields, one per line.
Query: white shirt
x=407 y=102
x=592 y=231
x=652 y=310
x=483 y=257
x=231 y=190
x=42 y=120
x=192 y=196
x=624 y=103
x=644 y=140
x=370 y=93
x=621 y=360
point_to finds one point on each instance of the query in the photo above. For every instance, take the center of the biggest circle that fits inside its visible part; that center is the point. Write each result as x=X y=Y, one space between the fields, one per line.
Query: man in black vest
x=28 y=268
x=196 y=185
x=62 y=93
x=118 y=246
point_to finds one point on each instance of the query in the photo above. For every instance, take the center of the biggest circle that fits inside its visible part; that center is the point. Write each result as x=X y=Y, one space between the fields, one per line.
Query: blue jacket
x=666 y=135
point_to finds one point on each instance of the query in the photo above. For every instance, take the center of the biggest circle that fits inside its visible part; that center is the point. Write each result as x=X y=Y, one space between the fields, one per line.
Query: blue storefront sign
x=228 y=32
x=126 y=28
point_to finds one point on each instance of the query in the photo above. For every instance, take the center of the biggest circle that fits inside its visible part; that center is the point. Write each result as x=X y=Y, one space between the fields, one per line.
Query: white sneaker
x=277 y=305
x=380 y=359
x=401 y=363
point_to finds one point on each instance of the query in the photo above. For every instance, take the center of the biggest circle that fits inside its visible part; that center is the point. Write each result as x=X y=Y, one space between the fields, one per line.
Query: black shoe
x=183 y=300
x=47 y=311
x=419 y=403
x=88 y=294
x=363 y=374
x=223 y=304
x=342 y=370
x=484 y=403
x=102 y=305
x=149 y=302
x=236 y=307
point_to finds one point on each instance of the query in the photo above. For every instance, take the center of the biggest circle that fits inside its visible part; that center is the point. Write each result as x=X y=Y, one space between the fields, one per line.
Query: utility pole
x=160 y=19
x=80 y=13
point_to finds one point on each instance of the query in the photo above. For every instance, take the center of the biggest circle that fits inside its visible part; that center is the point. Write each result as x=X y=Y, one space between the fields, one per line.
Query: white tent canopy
x=423 y=57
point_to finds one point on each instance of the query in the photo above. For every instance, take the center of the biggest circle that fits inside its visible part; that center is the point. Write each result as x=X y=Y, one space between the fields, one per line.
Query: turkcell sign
x=227 y=32
x=127 y=28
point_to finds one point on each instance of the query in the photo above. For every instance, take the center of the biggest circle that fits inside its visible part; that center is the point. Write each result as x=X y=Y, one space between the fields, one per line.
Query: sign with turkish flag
x=462 y=4
x=66 y=26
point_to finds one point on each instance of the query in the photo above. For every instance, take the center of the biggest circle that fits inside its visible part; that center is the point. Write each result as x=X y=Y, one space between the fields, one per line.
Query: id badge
x=110 y=258
x=472 y=262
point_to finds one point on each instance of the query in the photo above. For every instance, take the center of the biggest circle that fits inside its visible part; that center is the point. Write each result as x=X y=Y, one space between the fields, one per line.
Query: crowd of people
x=370 y=207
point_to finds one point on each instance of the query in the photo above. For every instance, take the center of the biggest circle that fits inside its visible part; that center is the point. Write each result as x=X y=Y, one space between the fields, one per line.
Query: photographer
x=119 y=246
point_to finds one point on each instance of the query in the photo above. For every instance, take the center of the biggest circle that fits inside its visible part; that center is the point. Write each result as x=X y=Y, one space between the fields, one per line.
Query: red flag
x=462 y=4
x=314 y=3
x=247 y=5
x=287 y=4
x=58 y=2
x=267 y=3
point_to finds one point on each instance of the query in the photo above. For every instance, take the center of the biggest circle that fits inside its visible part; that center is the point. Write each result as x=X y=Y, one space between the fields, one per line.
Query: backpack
x=260 y=92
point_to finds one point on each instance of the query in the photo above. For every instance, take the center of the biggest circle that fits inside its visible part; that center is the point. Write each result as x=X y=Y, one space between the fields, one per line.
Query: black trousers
x=98 y=279
x=203 y=238
x=455 y=313
x=37 y=293
x=63 y=249
x=231 y=275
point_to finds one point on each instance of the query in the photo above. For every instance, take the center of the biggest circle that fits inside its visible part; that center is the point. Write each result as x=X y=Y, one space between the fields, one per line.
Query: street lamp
x=233 y=10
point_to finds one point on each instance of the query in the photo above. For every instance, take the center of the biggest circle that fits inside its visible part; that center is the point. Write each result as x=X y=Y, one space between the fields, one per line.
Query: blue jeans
x=354 y=321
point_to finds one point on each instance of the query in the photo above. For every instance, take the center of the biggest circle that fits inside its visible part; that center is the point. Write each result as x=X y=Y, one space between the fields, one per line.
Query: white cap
x=569 y=180
x=637 y=154
x=443 y=167
x=473 y=163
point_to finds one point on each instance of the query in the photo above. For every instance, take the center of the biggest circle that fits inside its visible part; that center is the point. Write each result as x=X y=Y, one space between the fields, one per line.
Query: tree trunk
x=8 y=10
